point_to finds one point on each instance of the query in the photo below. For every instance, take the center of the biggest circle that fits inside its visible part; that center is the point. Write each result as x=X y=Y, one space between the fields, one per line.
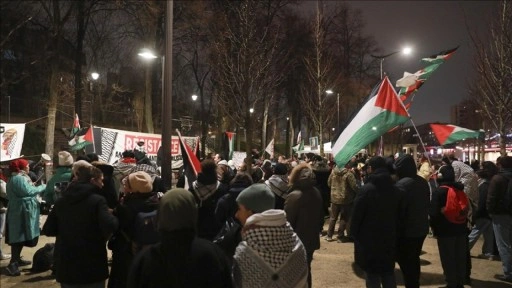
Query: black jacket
x=440 y=225
x=414 y=199
x=181 y=260
x=82 y=224
x=374 y=223
x=496 y=193
x=121 y=244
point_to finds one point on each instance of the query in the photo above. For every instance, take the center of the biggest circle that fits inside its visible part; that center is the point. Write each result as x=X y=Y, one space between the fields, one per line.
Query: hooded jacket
x=82 y=224
x=496 y=193
x=440 y=225
x=181 y=259
x=343 y=186
x=414 y=199
x=374 y=223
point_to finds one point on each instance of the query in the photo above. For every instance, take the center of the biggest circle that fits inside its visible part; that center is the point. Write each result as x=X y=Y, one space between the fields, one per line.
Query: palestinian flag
x=447 y=134
x=410 y=83
x=76 y=127
x=440 y=57
x=381 y=112
x=81 y=139
x=231 y=144
x=191 y=164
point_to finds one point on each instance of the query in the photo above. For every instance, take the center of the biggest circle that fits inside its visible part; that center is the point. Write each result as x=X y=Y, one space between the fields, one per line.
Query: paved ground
x=332 y=267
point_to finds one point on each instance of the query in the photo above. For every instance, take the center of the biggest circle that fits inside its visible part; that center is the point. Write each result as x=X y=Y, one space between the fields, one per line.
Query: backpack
x=457 y=206
x=145 y=230
x=43 y=258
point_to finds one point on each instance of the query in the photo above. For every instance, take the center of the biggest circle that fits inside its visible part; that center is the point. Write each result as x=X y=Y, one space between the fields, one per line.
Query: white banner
x=238 y=158
x=109 y=144
x=12 y=141
x=270 y=148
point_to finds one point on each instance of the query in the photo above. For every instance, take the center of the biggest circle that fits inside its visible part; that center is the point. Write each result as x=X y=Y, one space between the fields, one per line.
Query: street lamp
x=251 y=110
x=337 y=104
x=147 y=54
x=194 y=97
x=405 y=51
x=95 y=76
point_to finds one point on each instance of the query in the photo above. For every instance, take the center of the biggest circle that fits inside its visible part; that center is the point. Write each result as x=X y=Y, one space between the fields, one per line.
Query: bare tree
x=493 y=60
x=244 y=49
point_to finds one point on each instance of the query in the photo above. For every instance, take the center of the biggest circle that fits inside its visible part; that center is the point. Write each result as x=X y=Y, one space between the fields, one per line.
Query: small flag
x=270 y=148
x=76 y=126
x=447 y=134
x=81 y=139
x=231 y=144
x=299 y=137
x=191 y=164
x=381 y=112
x=440 y=57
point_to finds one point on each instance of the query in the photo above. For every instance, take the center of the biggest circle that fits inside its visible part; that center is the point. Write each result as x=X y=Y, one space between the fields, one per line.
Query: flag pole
x=415 y=129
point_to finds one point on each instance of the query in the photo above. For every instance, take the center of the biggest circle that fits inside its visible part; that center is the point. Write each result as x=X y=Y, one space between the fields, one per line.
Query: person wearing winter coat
x=451 y=237
x=483 y=223
x=139 y=198
x=62 y=174
x=304 y=210
x=207 y=190
x=22 y=219
x=278 y=184
x=374 y=225
x=413 y=214
x=425 y=171
x=181 y=259
x=226 y=206
x=108 y=189
x=343 y=192
x=82 y=224
x=501 y=215
x=271 y=254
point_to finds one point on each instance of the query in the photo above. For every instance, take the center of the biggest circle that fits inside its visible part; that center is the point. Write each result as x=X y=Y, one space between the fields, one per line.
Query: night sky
x=428 y=27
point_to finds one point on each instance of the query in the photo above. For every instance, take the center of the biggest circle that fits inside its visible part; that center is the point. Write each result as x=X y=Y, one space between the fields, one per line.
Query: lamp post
x=95 y=76
x=166 y=96
x=405 y=51
x=337 y=104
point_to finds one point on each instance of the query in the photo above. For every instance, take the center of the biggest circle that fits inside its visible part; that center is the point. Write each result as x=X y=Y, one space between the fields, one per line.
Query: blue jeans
x=375 y=280
x=502 y=225
x=483 y=226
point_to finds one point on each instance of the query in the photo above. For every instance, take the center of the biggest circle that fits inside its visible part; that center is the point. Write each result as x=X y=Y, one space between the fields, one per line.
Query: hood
x=177 y=211
x=78 y=191
x=278 y=184
x=339 y=172
x=204 y=191
x=405 y=166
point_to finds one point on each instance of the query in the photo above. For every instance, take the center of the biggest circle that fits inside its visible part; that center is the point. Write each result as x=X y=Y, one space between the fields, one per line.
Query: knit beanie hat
x=65 y=158
x=257 y=198
x=177 y=210
x=140 y=181
x=80 y=163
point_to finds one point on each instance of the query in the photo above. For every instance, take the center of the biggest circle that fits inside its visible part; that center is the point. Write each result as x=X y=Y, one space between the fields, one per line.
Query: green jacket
x=343 y=186
x=23 y=208
x=62 y=174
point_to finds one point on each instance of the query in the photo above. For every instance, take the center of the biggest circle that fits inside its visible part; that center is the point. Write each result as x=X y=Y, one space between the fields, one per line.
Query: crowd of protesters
x=256 y=226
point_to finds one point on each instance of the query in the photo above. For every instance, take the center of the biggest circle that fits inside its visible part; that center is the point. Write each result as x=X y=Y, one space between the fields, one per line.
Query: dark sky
x=428 y=27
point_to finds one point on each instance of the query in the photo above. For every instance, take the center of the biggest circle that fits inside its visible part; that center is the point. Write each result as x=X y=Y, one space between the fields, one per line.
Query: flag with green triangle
x=448 y=134
x=381 y=112
x=76 y=126
x=81 y=139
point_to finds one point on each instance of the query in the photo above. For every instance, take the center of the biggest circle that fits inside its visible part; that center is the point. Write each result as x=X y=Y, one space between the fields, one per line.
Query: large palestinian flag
x=381 y=112
x=447 y=134
x=440 y=57
x=191 y=164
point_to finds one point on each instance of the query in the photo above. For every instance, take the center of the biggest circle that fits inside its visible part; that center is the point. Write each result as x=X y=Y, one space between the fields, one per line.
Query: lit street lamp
x=251 y=110
x=337 y=104
x=194 y=97
x=405 y=51
x=95 y=76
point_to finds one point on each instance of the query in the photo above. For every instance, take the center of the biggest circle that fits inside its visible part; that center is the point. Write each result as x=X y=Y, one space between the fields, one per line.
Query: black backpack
x=145 y=230
x=43 y=258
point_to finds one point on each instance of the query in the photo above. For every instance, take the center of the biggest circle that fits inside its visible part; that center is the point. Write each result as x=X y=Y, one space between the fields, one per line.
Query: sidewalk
x=332 y=267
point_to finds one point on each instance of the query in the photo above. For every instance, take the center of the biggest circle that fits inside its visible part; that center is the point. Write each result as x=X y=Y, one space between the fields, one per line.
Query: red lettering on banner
x=151 y=144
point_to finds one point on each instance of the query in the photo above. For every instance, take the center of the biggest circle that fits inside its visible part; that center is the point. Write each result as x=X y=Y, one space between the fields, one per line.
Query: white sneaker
x=5 y=256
